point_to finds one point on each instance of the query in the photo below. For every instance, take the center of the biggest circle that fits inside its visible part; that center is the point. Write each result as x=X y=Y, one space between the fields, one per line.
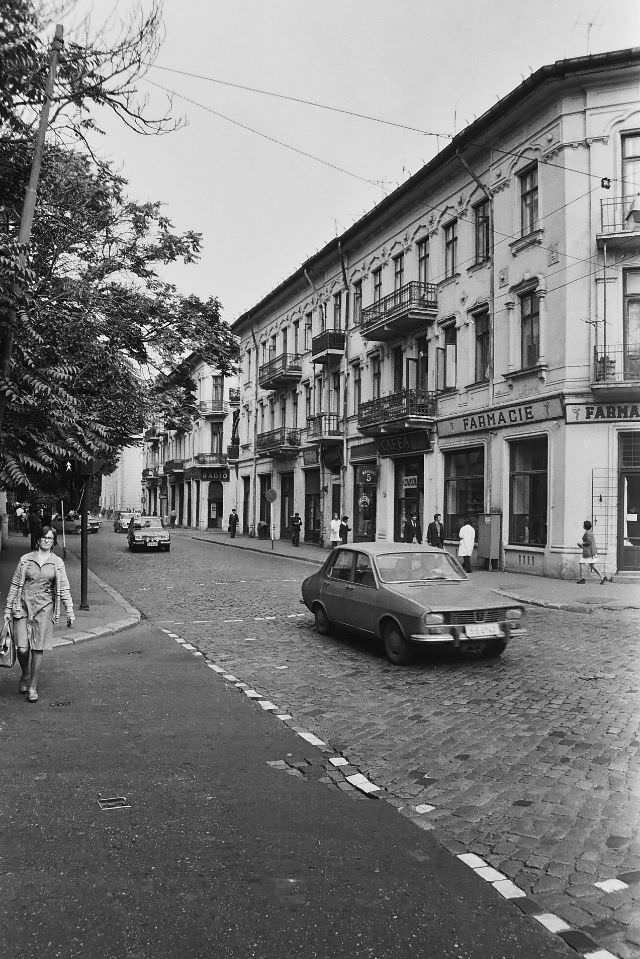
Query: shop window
x=463 y=488
x=528 y=492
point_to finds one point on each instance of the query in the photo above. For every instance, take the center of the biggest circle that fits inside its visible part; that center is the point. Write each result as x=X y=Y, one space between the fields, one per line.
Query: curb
x=131 y=618
x=570 y=607
x=264 y=552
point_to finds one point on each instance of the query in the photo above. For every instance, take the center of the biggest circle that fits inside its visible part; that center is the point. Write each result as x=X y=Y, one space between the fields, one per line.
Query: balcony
x=207 y=459
x=327 y=345
x=620 y=223
x=324 y=428
x=213 y=409
x=405 y=410
x=174 y=466
x=233 y=452
x=234 y=396
x=405 y=310
x=616 y=373
x=282 y=371
x=278 y=443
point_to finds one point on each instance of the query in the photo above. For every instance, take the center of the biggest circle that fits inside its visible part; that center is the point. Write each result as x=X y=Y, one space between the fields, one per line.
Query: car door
x=338 y=584
x=361 y=603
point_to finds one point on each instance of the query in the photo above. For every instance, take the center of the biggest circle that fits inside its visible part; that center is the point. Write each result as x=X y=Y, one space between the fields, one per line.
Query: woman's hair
x=44 y=531
x=587 y=524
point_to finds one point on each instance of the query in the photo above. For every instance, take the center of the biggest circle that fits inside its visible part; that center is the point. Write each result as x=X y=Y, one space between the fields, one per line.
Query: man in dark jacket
x=411 y=531
x=435 y=532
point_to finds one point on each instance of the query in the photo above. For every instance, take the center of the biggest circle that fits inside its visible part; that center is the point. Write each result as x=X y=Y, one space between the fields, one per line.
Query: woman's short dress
x=34 y=630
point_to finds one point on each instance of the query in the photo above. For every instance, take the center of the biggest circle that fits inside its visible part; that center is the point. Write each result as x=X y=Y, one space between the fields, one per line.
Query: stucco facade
x=471 y=346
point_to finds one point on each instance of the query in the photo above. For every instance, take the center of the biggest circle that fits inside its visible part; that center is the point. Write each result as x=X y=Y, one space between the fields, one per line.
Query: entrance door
x=409 y=482
x=286 y=504
x=312 y=514
x=629 y=501
x=365 y=497
x=214 y=504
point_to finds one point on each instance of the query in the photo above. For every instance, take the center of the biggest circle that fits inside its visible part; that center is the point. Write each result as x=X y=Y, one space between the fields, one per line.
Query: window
x=530 y=331
x=422 y=372
x=482 y=226
x=294 y=409
x=528 y=492
x=264 y=351
x=217 y=388
x=631 y=326
x=342 y=565
x=334 y=398
x=296 y=336
x=448 y=360
x=482 y=346
x=337 y=311
x=248 y=364
x=216 y=438
x=317 y=390
x=463 y=488
x=398 y=360
x=631 y=164
x=375 y=377
x=357 y=302
x=450 y=249
x=423 y=260
x=307 y=402
x=285 y=338
x=398 y=271
x=262 y=417
x=357 y=386
x=376 y=278
x=529 y=200
x=308 y=328
x=363 y=574
x=272 y=347
x=272 y=422
x=283 y=410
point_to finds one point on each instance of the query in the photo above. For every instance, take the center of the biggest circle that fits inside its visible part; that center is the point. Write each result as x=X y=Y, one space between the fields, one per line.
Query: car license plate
x=152 y=542
x=481 y=630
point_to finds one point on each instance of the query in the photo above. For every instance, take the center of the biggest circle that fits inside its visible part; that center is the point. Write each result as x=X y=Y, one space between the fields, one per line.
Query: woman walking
x=38 y=589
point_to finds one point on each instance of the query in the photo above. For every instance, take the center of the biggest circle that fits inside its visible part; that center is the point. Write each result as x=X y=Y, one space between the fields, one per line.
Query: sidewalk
x=534 y=590
x=108 y=611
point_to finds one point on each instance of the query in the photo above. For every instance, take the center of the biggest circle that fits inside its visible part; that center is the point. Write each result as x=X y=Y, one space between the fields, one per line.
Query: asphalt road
x=530 y=762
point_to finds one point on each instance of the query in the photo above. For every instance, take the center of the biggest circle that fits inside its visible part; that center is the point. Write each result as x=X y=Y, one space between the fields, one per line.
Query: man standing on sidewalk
x=233 y=523
x=296 y=526
x=467 y=538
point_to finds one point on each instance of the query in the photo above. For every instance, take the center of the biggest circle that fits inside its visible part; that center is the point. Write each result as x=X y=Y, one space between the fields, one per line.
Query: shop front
x=215 y=478
x=365 y=502
x=407 y=452
x=629 y=502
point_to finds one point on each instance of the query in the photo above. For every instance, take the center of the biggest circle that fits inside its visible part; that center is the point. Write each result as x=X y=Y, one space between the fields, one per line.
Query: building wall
x=571 y=135
x=123 y=487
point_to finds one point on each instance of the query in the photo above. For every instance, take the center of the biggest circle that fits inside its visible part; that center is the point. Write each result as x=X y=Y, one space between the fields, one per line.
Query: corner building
x=471 y=346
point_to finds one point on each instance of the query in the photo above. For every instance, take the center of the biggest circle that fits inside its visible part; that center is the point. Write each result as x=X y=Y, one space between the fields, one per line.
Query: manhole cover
x=61 y=702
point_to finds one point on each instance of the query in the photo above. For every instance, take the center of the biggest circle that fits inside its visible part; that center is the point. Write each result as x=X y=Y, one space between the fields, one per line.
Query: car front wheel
x=398 y=650
x=322 y=621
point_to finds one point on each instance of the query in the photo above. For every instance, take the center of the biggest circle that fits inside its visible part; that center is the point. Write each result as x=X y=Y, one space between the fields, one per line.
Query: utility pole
x=28 y=208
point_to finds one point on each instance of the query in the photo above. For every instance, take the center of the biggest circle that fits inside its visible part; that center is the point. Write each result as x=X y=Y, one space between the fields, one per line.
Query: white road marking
x=339 y=761
x=310 y=738
x=362 y=783
x=424 y=807
x=611 y=885
x=552 y=923
x=470 y=859
x=266 y=704
x=509 y=889
x=284 y=716
x=490 y=874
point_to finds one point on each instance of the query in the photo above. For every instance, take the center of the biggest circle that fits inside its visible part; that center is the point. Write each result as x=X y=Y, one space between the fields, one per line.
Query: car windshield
x=147 y=522
x=417 y=567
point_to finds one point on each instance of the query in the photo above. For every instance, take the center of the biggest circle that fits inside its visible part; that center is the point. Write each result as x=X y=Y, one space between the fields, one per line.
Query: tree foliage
x=99 y=336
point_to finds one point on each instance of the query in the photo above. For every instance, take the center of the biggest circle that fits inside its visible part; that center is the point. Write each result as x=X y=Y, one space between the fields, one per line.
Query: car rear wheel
x=493 y=650
x=398 y=650
x=322 y=621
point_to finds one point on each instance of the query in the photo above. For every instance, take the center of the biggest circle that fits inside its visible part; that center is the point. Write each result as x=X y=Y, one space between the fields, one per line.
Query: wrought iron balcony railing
x=280 y=371
x=414 y=406
x=620 y=215
x=616 y=365
x=284 y=439
x=327 y=344
x=324 y=426
x=214 y=407
x=412 y=304
x=174 y=466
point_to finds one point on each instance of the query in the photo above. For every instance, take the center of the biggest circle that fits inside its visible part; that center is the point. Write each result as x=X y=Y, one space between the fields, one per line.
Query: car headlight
x=513 y=614
x=433 y=619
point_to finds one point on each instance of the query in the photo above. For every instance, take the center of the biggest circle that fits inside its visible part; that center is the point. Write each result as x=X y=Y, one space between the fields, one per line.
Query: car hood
x=441 y=597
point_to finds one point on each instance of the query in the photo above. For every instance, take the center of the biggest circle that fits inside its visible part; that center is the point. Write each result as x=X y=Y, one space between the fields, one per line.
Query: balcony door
x=631 y=325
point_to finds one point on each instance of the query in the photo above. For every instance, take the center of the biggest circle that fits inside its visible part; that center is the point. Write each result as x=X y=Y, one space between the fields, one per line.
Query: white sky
x=263 y=209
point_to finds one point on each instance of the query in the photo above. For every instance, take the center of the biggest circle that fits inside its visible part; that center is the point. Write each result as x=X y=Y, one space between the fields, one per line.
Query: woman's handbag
x=7 y=645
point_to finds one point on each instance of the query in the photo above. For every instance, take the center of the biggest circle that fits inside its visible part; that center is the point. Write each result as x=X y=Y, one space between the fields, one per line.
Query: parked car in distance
x=409 y=596
x=73 y=522
x=147 y=532
x=121 y=520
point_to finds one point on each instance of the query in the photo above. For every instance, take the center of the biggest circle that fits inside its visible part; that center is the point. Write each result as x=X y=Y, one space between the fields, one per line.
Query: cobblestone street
x=531 y=761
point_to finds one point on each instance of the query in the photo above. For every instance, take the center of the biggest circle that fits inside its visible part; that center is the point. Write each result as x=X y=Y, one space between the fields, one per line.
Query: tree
x=100 y=336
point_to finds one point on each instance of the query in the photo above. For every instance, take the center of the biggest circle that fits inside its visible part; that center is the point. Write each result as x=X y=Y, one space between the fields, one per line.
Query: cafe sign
x=602 y=412
x=517 y=414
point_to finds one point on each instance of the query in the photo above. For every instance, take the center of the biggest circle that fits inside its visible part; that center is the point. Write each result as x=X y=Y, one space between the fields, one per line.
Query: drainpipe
x=345 y=405
x=255 y=431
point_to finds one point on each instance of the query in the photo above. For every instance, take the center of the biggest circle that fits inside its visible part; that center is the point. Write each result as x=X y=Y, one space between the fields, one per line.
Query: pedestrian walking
x=233 y=523
x=334 y=531
x=590 y=555
x=21 y=518
x=411 y=531
x=466 y=540
x=435 y=532
x=296 y=526
x=35 y=526
x=345 y=529
x=173 y=515
x=38 y=589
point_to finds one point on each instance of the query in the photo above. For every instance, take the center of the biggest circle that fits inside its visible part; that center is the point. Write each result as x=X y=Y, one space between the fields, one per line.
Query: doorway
x=629 y=502
x=312 y=513
x=215 y=505
x=286 y=504
x=409 y=495
x=246 y=499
